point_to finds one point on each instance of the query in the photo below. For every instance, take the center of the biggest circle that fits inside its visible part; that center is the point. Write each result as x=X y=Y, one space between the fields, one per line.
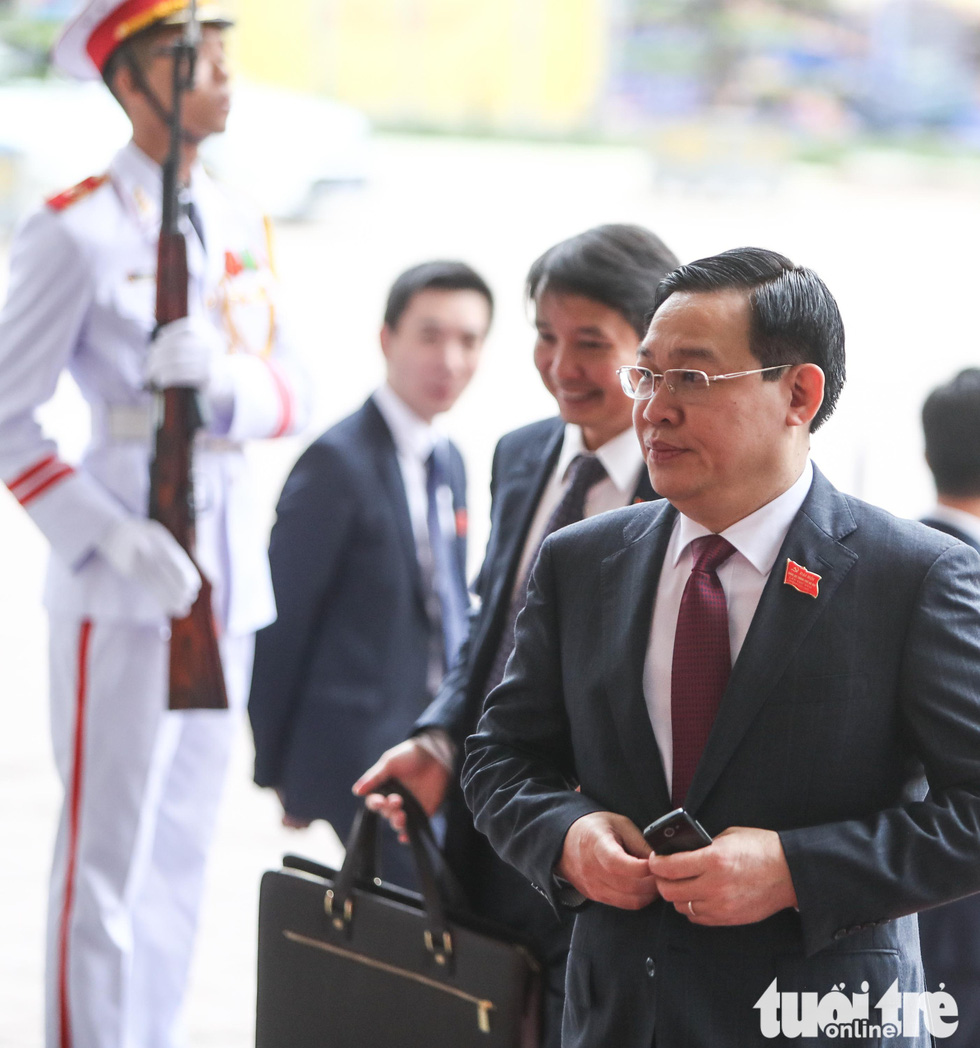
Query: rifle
x=196 y=679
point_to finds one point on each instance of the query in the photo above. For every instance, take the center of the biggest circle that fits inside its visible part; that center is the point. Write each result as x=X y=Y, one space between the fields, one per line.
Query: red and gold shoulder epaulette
x=67 y=197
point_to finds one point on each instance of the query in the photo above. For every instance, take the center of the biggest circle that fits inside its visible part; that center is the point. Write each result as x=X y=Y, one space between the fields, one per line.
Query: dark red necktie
x=702 y=660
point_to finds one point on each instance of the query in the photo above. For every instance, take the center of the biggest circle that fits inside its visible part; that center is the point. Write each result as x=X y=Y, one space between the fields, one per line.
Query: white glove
x=147 y=554
x=188 y=352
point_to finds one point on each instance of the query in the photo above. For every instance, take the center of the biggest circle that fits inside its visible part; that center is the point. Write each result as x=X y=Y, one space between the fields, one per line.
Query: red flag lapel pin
x=233 y=264
x=799 y=578
x=462 y=522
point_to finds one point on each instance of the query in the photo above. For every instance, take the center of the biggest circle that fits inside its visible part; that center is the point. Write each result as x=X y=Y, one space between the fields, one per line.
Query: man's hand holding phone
x=676 y=832
x=740 y=877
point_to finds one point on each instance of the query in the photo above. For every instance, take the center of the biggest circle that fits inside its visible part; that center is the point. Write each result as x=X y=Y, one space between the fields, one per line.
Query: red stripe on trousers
x=74 y=805
x=285 y=398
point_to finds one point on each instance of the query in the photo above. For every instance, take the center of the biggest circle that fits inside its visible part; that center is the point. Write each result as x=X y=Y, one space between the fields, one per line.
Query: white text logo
x=834 y=1014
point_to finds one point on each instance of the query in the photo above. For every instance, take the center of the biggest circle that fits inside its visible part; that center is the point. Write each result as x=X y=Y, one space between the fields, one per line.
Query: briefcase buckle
x=446 y=952
x=339 y=922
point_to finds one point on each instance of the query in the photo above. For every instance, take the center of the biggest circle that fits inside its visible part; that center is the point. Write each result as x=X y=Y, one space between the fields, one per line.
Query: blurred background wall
x=820 y=68
x=823 y=70
x=511 y=64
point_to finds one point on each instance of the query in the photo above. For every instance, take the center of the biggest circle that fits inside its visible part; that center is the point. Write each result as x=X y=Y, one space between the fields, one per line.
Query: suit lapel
x=781 y=622
x=628 y=582
x=526 y=479
x=386 y=461
x=457 y=484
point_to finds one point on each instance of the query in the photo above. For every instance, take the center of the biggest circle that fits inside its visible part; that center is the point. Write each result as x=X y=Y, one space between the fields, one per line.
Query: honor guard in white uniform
x=141 y=783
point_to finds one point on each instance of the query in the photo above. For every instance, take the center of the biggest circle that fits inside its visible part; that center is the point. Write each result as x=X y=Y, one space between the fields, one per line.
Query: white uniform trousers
x=142 y=786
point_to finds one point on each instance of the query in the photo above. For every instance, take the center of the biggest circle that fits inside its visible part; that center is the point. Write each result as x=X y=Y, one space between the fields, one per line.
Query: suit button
x=651 y=967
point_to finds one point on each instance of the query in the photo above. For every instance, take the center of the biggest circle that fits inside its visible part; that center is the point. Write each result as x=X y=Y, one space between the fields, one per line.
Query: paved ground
x=898 y=251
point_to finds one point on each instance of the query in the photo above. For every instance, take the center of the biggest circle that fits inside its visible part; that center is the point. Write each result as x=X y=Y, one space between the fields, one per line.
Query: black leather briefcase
x=346 y=961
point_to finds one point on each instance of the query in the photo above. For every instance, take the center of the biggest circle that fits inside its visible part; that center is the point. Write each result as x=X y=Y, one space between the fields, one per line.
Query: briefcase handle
x=440 y=889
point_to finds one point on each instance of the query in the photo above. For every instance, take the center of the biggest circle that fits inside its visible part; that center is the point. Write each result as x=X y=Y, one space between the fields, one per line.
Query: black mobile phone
x=676 y=832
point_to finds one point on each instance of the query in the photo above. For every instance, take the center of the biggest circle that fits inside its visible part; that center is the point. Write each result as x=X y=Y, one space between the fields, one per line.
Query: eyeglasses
x=642 y=383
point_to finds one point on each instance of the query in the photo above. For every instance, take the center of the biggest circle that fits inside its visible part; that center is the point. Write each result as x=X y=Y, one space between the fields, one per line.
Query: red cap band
x=125 y=21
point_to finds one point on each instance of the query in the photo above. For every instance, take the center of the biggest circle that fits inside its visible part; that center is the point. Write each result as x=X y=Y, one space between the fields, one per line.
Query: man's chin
x=217 y=125
x=197 y=135
x=667 y=480
x=579 y=412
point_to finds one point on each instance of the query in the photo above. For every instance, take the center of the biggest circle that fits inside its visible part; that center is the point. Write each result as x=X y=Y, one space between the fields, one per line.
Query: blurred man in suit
x=951 y=424
x=789 y=664
x=950 y=934
x=368 y=557
x=591 y=296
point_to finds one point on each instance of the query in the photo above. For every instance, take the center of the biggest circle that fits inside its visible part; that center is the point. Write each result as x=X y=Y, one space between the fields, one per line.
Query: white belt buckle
x=126 y=423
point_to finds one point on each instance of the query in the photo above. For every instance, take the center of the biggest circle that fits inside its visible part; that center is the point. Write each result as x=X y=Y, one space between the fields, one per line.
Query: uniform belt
x=210 y=442
x=128 y=423
x=136 y=423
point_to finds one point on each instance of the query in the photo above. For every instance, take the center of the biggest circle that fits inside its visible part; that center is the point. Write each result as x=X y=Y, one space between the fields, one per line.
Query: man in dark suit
x=368 y=563
x=791 y=665
x=950 y=934
x=592 y=295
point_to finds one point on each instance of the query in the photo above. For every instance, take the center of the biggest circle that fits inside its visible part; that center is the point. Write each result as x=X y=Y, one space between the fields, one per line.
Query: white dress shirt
x=756 y=539
x=622 y=458
x=414 y=440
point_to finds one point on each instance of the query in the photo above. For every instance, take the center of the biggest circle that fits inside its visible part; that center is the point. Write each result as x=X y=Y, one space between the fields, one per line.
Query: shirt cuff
x=438 y=744
x=567 y=894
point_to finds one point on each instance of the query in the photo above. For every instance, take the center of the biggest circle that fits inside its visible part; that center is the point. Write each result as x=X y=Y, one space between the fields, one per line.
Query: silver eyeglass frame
x=656 y=378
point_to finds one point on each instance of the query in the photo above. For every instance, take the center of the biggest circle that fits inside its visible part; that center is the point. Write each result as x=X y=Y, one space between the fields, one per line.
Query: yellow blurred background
x=538 y=64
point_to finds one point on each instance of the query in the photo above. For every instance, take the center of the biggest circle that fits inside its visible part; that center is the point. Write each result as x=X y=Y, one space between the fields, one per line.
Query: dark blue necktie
x=194 y=214
x=447 y=578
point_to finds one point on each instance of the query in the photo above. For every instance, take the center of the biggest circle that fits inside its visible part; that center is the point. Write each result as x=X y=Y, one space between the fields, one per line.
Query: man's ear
x=806 y=394
x=123 y=86
x=385 y=339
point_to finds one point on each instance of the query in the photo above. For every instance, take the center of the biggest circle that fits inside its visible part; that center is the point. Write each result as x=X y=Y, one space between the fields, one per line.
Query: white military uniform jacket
x=82 y=297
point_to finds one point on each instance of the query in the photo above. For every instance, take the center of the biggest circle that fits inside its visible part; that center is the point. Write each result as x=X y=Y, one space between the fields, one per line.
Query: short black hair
x=618 y=265
x=440 y=276
x=951 y=424
x=794 y=318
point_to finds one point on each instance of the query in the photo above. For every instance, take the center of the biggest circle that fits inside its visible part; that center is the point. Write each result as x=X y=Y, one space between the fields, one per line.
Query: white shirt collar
x=135 y=166
x=759 y=535
x=620 y=456
x=413 y=436
x=958 y=518
x=142 y=179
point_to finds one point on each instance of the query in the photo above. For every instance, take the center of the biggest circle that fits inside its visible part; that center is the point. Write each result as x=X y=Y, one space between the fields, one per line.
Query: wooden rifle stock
x=196 y=677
